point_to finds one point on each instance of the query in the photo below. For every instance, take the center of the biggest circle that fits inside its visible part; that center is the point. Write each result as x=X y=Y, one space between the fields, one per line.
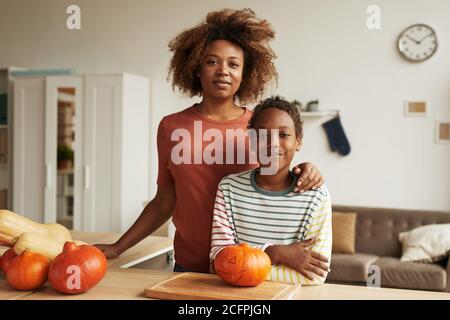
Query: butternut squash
x=40 y=244
x=5 y=240
x=13 y=225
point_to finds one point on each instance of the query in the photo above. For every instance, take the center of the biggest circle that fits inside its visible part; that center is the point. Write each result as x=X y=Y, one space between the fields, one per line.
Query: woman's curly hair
x=241 y=27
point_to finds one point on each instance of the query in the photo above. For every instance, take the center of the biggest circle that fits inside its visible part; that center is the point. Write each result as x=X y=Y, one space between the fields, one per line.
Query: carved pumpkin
x=6 y=259
x=28 y=271
x=242 y=265
x=77 y=268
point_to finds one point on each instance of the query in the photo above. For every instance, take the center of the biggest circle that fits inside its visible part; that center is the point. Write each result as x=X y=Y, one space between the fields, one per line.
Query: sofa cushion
x=411 y=275
x=350 y=267
x=426 y=244
x=343 y=232
x=377 y=229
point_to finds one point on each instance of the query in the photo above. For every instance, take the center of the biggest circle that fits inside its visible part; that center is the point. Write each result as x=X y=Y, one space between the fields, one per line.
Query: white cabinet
x=6 y=104
x=111 y=148
x=65 y=197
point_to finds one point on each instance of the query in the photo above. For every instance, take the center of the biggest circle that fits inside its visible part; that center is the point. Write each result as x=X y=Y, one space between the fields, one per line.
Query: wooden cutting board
x=201 y=286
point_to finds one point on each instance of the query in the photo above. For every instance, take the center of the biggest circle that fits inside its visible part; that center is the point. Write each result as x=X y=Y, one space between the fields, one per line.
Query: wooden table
x=122 y=283
x=126 y=284
x=148 y=248
x=118 y=284
x=347 y=292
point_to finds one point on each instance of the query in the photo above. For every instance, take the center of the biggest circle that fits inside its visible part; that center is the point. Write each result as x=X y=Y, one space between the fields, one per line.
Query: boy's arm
x=320 y=230
x=223 y=233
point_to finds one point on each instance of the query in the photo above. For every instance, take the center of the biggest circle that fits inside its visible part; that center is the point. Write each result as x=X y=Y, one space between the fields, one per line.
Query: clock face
x=417 y=43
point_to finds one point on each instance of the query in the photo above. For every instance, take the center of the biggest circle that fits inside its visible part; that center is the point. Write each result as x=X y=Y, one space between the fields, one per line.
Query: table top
x=118 y=284
x=349 y=292
x=146 y=249
x=122 y=282
x=126 y=284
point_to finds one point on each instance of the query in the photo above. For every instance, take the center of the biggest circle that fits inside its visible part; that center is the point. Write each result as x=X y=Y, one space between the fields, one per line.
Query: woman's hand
x=110 y=250
x=309 y=177
x=299 y=258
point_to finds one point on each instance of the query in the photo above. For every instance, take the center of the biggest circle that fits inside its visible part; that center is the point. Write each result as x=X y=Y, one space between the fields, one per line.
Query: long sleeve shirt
x=243 y=212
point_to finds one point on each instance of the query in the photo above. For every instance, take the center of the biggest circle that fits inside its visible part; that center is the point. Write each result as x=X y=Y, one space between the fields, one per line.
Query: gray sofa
x=377 y=243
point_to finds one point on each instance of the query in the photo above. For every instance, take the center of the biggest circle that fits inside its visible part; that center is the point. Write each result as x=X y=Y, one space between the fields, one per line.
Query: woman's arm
x=154 y=215
x=309 y=177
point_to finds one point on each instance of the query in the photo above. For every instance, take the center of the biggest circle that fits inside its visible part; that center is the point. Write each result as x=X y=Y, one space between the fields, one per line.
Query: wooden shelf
x=320 y=113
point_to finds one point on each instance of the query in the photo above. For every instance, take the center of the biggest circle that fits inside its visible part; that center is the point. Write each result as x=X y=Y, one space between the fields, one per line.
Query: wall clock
x=417 y=43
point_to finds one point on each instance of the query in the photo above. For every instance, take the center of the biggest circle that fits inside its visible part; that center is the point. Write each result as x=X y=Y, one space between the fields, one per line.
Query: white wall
x=324 y=51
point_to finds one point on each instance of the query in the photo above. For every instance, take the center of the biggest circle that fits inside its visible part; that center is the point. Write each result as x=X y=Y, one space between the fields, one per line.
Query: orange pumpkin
x=28 y=271
x=242 y=265
x=6 y=259
x=77 y=268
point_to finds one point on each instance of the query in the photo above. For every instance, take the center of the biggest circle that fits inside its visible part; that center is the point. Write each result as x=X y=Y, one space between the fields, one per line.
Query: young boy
x=264 y=211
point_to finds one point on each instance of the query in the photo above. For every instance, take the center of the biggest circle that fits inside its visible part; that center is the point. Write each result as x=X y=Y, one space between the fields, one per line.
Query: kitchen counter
x=118 y=283
x=148 y=248
x=126 y=284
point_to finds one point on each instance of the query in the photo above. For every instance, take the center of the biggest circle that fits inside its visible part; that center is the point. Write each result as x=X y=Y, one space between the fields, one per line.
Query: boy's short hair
x=282 y=104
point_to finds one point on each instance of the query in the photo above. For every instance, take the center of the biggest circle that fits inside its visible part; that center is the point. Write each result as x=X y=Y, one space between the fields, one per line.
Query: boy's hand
x=110 y=250
x=309 y=177
x=299 y=258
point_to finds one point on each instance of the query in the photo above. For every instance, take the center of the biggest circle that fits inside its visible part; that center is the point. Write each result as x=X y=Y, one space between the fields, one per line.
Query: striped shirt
x=243 y=212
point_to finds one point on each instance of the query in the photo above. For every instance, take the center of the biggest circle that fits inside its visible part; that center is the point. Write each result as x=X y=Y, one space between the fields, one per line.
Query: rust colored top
x=208 y=156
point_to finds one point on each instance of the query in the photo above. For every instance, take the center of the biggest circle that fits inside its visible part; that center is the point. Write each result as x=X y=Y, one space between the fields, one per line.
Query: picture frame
x=416 y=108
x=442 y=132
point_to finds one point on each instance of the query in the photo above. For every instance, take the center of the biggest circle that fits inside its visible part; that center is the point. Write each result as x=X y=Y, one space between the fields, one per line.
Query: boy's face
x=221 y=69
x=281 y=150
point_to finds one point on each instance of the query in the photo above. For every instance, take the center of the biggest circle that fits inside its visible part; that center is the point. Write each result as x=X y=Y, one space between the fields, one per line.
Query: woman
x=227 y=61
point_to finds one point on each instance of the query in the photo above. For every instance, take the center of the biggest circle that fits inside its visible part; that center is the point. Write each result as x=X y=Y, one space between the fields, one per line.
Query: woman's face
x=221 y=69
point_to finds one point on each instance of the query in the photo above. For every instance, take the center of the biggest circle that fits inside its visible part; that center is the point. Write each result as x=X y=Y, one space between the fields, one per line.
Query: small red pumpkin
x=6 y=259
x=242 y=265
x=28 y=271
x=77 y=268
